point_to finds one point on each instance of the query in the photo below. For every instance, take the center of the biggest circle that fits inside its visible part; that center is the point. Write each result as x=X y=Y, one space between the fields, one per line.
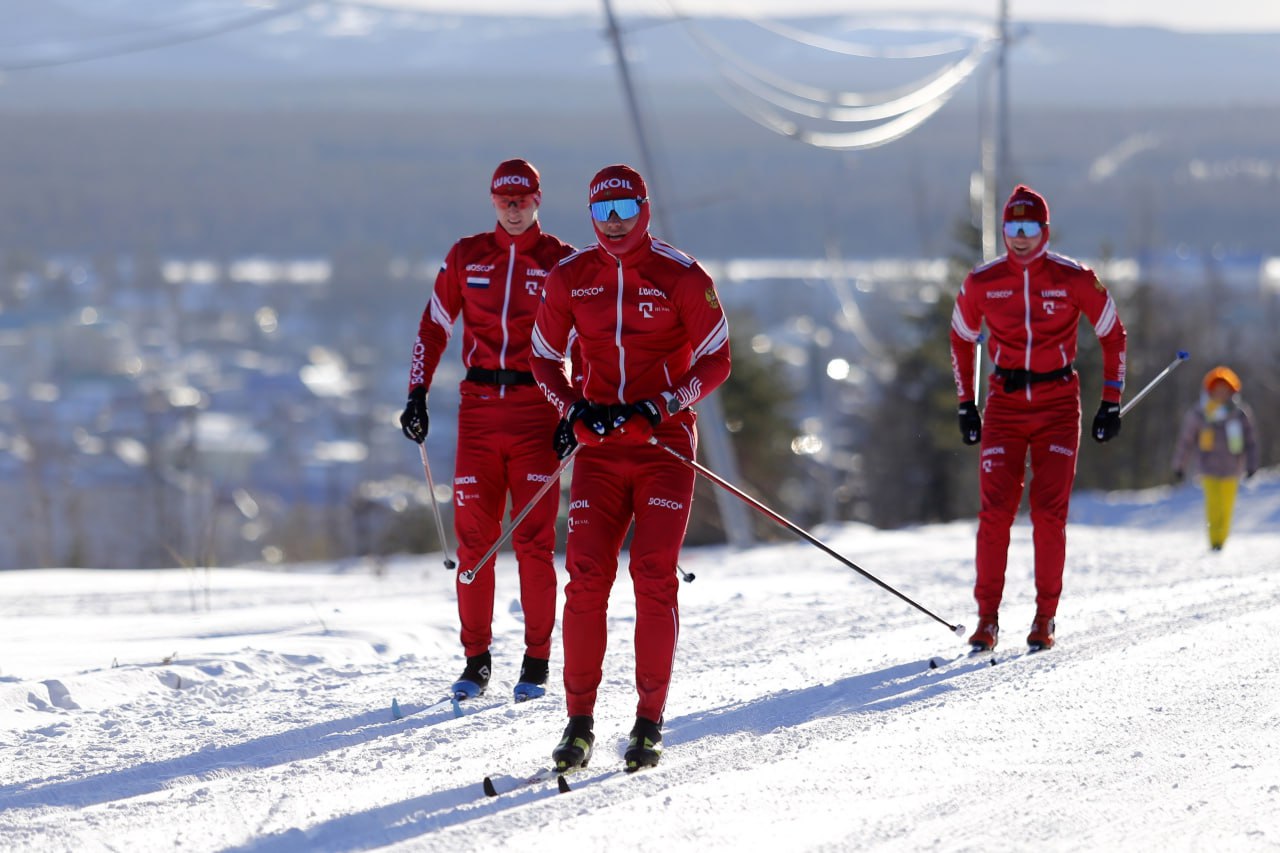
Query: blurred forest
x=378 y=186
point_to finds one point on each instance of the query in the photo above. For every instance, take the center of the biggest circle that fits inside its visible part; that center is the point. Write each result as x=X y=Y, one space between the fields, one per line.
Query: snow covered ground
x=250 y=710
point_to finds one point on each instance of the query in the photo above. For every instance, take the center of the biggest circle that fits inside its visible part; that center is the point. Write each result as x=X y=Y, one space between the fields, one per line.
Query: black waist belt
x=499 y=377
x=1016 y=379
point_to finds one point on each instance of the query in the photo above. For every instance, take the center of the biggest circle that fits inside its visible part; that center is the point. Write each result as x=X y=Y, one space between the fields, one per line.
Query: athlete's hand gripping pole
x=435 y=507
x=1182 y=356
x=554 y=480
x=958 y=630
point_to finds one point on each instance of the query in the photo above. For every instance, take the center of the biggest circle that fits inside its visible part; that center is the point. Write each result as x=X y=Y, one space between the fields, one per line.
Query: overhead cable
x=157 y=42
x=783 y=105
x=939 y=85
x=922 y=50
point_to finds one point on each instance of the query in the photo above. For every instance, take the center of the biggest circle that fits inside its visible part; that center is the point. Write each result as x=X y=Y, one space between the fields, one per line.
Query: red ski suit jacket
x=649 y=326
x=1032 y=313
x=495 y=281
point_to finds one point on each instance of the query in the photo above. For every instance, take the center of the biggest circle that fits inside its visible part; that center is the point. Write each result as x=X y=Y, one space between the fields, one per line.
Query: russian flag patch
x=474 y=281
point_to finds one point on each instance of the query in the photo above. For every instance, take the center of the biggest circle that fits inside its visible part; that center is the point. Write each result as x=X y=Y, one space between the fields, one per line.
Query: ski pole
x=958 y=630
x=470 y=574
x=1182 y=356
x=435 y=508
x=977 y=371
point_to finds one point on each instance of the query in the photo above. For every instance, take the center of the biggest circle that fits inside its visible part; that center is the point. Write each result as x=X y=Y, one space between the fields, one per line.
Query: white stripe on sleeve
x=962 y=328
x=441 y=317
x=713 y=341
x=1107 y=319
x=541 y=348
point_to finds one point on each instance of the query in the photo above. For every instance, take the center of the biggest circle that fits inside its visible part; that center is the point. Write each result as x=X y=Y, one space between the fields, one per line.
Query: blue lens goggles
x=624 y=207
x=1023 y=229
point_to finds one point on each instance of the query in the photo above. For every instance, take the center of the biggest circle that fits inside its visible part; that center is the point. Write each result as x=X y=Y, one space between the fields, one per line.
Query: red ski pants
x=613 y=484
x=1049 y=431
x=504 y=447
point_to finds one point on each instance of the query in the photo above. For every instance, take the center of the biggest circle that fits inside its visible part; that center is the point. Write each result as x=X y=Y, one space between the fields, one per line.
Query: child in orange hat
x=1219 y=429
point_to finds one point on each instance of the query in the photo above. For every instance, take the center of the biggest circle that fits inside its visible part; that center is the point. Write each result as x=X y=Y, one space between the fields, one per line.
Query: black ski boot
x=474 y=679
x=574 y=749
x=643 y=750
x=533 y=679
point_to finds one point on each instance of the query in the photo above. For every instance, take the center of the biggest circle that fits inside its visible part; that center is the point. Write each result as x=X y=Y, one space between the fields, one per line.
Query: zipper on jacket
x=1026 y=309
x=506 y=304
x=617 y=339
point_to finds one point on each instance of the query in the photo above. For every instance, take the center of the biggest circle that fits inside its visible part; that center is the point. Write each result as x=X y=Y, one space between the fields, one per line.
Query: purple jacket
x=1223 y=442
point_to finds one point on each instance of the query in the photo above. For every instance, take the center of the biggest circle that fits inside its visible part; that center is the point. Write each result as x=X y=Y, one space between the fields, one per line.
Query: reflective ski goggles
x=506 y=202
x=624 y=207
x=1022 y=229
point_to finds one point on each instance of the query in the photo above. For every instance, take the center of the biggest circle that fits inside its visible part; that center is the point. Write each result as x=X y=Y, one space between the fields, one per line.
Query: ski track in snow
x=250 y=710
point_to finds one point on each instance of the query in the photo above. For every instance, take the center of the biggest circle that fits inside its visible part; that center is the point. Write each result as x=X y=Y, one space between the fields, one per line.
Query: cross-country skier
x=505 y=425
x=1031 y=300
x=653 y=340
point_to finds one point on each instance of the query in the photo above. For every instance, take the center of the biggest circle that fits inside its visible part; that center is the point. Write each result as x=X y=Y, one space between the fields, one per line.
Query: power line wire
x=871 y=51
x=158 y=42
x=782 y=105
x=814 y=102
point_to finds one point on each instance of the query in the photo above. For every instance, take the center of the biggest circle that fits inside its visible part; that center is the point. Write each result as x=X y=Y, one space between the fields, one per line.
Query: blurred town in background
x=220 y=222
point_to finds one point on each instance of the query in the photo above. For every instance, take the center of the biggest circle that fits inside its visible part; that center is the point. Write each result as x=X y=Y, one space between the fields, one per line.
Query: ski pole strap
x=1015 y=379
x=499 y=377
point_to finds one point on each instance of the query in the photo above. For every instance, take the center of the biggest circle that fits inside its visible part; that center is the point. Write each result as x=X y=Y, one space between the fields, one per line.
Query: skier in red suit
x=505 y=425
x=653 y=340
x=1031 y=300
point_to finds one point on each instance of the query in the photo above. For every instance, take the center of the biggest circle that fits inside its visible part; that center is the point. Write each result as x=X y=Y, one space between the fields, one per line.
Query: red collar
x=627 y=251
x=523 y=242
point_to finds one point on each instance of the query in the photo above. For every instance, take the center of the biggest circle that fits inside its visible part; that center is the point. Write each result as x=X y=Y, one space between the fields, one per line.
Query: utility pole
x=1002 y=108
x=715 y=437
x=995 y=143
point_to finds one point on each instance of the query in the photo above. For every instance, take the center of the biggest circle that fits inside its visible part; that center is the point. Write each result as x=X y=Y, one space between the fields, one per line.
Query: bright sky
x=1218 y=16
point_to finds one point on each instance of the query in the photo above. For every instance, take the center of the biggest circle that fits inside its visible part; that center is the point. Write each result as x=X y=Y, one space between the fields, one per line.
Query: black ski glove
x=414 y=420
x=564 y=441
x=591 y=422
x=1106 y=423
x=650 y=410
x=970 y=423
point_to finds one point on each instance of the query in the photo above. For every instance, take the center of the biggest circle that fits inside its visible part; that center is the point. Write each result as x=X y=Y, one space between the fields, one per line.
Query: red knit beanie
x=617 y=181
x=514 y=177
x=1026 y=205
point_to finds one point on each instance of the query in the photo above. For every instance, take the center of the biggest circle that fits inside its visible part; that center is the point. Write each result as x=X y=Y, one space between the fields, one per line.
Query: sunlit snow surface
x=239 y=709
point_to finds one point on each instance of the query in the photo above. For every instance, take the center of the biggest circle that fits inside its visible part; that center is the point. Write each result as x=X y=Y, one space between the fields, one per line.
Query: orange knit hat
x=1222 y=374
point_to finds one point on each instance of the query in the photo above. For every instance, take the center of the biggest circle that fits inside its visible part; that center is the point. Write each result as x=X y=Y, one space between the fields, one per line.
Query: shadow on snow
x=885 y=689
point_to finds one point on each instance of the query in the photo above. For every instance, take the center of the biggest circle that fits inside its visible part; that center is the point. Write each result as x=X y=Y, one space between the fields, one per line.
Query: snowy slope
x=251 y=710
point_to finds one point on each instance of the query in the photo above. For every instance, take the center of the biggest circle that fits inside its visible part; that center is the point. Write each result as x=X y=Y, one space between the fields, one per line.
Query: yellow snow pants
x=1219 y=502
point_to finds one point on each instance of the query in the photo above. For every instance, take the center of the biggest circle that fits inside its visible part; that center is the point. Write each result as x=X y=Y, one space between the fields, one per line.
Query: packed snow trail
x=803 y=714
